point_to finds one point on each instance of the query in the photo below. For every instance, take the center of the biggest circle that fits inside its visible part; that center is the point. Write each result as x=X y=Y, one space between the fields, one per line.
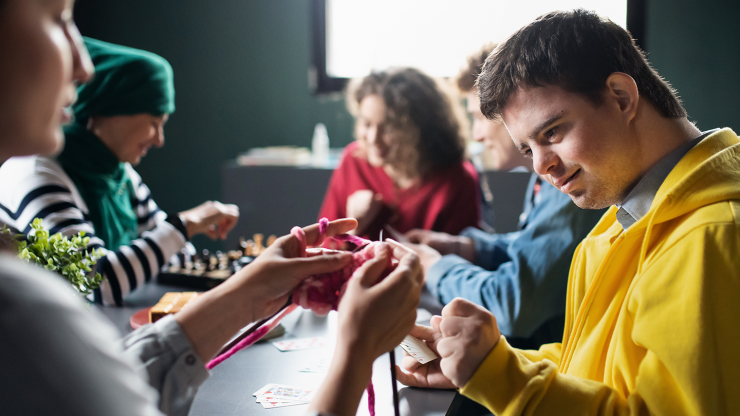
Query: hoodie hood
x=714 y=161
x=707 y=174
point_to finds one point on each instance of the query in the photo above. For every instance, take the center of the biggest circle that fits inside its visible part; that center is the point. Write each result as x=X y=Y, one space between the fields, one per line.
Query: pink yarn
x=322 y=292
x=371 y=397
x=251 y=339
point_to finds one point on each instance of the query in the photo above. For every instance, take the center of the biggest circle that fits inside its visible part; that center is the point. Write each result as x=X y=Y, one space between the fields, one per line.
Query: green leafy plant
x=57 y=253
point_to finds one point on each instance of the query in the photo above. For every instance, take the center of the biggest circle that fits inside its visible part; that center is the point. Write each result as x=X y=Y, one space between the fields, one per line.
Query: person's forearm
x=212 y=320
x=342 y=389
x=466 y=248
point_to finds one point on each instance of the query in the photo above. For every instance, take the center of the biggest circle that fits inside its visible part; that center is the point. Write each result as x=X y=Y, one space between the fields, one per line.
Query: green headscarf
x=127 y=81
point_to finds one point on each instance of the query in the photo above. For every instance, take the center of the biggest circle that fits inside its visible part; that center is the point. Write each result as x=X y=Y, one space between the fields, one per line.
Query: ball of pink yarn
x=322 y=292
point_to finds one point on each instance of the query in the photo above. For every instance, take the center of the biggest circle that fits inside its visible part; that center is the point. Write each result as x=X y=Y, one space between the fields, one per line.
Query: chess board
x=204 y=270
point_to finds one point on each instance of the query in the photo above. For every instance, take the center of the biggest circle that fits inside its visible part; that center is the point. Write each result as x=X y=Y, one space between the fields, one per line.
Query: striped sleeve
x=43 y=190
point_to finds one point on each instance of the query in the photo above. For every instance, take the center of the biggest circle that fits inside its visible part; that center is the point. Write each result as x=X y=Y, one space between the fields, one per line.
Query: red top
x=447 y=201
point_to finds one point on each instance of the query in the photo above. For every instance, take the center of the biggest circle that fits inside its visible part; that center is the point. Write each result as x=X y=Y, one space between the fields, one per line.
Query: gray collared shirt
x=62 y=358
x=638 y=201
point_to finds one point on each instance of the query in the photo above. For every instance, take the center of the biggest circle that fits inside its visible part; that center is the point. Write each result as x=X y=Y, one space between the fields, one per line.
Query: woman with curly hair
x=406 y=168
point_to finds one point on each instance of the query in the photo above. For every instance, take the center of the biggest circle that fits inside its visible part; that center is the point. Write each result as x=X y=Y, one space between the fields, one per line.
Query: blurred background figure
x=501 y=153
x=91 y=185
x=521 y=277
x=406 y=168
x=497 y=150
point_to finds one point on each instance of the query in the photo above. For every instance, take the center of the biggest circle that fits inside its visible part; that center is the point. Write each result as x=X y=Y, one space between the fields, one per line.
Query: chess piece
x=258 y=243
x=197 y=264
x=243 y=246
x=250 y=251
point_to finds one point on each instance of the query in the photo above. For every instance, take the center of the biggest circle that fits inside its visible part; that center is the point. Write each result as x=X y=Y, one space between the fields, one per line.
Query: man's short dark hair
x=577 y=51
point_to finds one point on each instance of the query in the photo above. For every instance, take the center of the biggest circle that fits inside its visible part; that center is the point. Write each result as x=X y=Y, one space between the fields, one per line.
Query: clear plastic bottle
x=320 y=145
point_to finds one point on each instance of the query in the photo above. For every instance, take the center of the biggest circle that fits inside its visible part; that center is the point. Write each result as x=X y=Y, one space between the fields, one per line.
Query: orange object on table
x=170 y=303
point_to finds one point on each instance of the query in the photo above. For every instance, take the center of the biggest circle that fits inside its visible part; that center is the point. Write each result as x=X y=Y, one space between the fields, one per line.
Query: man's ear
x=623 y=89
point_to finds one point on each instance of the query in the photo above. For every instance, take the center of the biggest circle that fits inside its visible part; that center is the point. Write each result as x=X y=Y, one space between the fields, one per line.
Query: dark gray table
x=229 y=389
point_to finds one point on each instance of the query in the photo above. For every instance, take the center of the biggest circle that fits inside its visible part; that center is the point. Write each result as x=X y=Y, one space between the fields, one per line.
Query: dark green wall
x=695 y=45
x=241 y=77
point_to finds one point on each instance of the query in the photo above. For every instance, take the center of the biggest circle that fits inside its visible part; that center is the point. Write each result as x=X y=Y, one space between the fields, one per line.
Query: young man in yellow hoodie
x=652 y=309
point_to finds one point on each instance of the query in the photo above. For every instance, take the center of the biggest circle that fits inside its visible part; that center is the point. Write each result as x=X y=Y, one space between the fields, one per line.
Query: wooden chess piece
x=258 y=243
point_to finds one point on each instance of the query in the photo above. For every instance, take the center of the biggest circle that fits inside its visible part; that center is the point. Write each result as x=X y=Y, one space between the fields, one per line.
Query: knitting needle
x=253 y=328
x=396 y=235
x=392 y=355
x=393 y=383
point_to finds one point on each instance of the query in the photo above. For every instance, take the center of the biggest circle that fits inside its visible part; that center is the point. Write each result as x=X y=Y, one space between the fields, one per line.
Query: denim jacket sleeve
x=520 y=277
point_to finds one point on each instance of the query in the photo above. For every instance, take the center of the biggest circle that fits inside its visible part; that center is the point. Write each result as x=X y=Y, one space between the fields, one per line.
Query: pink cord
x=371 y=398
x=251 y=339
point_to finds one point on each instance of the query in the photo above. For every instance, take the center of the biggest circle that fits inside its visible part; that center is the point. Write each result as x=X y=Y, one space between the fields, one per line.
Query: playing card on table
x=270 y=405
x=262 y=399
x=280 y=395
x=318 y=365
x=301 y=344
x=284 y=392
x=418 y=349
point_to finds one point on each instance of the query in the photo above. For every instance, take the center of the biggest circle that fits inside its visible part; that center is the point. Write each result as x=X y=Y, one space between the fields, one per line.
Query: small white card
x=301 y=344
x=418 y=349
x=318 y=365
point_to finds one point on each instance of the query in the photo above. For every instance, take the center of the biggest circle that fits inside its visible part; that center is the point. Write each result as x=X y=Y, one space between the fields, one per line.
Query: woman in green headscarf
x=92 y=186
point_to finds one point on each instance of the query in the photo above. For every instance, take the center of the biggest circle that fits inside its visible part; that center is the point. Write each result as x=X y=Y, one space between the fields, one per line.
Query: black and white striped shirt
x=37 y=187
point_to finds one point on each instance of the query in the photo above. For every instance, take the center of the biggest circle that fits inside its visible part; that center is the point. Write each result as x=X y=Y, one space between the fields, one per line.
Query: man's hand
x=211 y=218
x=444 y=243
x=364 y=206
x=463 y=337
x=469 y=334
x=427 y=375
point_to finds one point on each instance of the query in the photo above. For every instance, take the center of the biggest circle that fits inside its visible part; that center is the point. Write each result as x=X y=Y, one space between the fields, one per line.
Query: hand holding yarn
x=287 y=263
x=321 y=292
x=269 y=280
x=360 y=274
x=378 y=311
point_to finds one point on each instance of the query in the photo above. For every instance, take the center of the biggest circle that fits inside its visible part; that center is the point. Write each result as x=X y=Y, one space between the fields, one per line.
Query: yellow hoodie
x=652 y=314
